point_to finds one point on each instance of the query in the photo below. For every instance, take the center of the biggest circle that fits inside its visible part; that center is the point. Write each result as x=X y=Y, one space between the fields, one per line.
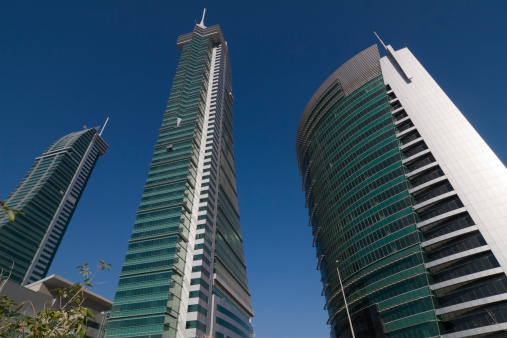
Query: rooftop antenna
x=202 y=20
x=380 y=40
x=100 y=134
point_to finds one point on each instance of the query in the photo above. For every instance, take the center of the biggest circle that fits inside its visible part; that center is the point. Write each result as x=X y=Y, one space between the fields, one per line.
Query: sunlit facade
x=184 y=274
x=406 y=201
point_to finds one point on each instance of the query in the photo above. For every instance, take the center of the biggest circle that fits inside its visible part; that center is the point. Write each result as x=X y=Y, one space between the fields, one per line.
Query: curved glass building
x=48 y=196
x=407 y=204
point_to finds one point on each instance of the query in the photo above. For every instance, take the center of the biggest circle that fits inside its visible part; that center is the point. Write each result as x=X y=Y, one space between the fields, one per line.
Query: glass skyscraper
x=48 y=196
x=184 y=274
x=406 y=203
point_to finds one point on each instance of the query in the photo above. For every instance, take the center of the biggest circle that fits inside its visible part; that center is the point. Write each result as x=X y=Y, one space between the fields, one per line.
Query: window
x=198 y=308
x=195 y=324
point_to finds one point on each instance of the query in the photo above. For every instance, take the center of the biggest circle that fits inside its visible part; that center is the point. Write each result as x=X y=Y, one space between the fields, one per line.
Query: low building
x=41 y=294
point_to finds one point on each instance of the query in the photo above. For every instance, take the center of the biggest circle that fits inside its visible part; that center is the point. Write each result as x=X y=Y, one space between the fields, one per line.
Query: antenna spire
x=100 y=134
x=202 y=20
x=380 y=40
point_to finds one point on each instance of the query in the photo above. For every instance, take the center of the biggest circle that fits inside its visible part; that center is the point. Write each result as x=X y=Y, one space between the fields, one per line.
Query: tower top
x=202 y=20
x=378 y=37
x=103 y=127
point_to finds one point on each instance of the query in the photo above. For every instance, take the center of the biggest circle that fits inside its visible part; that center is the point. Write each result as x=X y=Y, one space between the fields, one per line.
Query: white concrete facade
x=477 y=175
x=205 y=206
x=478 y=178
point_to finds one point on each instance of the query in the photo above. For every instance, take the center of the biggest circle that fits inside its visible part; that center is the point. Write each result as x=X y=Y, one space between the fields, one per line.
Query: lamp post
x=345 y=301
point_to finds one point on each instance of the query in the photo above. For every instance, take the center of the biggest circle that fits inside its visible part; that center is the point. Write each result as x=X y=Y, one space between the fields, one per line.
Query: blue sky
x=65 y=64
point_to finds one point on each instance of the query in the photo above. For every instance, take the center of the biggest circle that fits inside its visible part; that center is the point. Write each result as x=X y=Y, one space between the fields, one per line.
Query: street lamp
x=345 y=301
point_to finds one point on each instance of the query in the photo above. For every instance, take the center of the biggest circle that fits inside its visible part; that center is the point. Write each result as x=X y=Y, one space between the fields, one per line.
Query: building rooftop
x=50 y=283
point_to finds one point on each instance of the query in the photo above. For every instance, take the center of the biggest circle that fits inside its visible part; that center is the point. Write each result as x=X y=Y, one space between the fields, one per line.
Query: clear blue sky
x=65 y=64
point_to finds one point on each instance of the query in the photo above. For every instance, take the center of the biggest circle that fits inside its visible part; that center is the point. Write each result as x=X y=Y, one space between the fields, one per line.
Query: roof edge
x=353 y=74
x=214 y=32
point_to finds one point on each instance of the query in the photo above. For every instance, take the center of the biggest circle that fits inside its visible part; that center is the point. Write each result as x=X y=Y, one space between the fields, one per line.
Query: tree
x=68 y=320
x=10 y=212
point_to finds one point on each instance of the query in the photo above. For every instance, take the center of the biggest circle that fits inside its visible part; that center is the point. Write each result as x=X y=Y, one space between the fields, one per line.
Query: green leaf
x=4 y=205
x=81 y=333
x=19 y=307
x=11 y=216
x=18 y=211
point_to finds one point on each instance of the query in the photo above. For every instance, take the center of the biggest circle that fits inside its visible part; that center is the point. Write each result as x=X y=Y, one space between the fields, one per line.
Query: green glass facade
x=149 y=291
x=361 y=215
x=48 y=196
x=186 y=244
x=390 y=207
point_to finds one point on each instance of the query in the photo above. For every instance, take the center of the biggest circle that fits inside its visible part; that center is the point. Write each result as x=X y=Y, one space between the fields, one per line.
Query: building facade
x=407 y=204
x=184 y=274
x=48 y=196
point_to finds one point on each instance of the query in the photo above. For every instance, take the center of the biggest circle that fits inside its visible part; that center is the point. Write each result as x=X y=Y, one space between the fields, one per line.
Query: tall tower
x=184 y=274
x=48 y=196
x=407 y=204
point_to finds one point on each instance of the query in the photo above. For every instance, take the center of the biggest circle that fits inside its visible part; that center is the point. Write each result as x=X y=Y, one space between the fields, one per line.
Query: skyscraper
x=407 y=204
x=48 y=196
x=184 y=274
